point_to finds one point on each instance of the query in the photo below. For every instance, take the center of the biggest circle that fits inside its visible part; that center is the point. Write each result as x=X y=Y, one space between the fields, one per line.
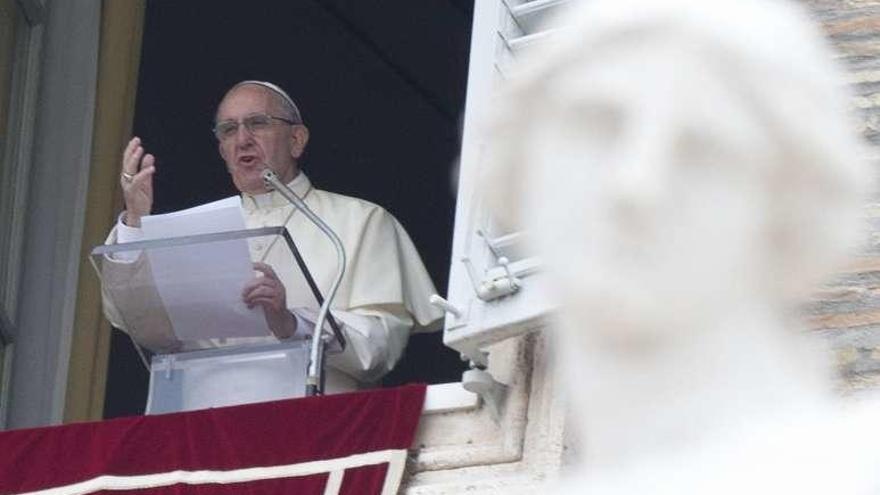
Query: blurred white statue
x=688 y=172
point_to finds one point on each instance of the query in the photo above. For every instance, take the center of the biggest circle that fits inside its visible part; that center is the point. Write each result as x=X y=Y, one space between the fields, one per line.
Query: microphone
x=314 y=379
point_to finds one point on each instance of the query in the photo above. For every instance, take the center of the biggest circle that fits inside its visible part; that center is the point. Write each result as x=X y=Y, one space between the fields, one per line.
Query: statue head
x=675 y=160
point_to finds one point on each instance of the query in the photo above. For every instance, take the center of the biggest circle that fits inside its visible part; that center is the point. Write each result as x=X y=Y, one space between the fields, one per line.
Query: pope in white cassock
x=384 y=294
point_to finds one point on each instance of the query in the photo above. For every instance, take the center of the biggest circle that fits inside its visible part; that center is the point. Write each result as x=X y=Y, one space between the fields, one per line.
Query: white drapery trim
x=395 y=458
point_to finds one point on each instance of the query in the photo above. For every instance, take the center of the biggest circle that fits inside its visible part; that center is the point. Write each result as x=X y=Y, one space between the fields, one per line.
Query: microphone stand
x=315 y=377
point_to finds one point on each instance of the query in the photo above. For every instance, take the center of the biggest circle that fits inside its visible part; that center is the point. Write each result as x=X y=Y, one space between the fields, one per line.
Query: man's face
x=246 y=153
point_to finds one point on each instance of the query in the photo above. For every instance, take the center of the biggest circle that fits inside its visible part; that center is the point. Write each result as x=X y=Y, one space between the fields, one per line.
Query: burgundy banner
x=286 y=446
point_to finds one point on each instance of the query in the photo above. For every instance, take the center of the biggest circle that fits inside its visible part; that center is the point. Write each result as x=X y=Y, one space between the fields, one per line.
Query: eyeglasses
x=255 y=124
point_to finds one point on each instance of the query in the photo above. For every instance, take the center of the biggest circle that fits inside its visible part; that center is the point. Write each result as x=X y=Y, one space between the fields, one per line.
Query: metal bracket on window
x=437 y=301
x=489 y=289
x=492 y=392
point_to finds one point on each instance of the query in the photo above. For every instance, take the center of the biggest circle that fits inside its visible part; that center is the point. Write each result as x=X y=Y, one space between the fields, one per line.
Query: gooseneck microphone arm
x=314 y=379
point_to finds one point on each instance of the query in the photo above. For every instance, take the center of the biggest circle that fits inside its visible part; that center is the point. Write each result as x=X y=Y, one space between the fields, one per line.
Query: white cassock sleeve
x=375 y=340
x=149 y=328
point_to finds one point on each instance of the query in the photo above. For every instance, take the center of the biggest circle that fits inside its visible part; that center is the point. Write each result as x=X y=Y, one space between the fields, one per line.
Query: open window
x=381 y=87
x=492 y=294
x=492 y=303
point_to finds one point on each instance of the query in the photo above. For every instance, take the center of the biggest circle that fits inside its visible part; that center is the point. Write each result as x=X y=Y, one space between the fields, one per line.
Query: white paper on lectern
x=200 y=284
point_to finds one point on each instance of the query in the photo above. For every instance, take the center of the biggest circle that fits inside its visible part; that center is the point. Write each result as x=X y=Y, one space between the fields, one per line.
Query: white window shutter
x=492 y=285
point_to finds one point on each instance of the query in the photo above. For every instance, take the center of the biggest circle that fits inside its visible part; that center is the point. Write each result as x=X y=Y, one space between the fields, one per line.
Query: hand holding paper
x=268 y=291
x=201 y=285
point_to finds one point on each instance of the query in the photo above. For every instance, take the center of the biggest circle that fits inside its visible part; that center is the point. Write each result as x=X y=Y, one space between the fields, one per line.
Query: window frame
x=6 y=351
x=15 y=164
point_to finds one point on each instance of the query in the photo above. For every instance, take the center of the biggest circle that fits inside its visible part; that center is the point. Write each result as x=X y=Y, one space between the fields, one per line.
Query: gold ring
x=127 y=177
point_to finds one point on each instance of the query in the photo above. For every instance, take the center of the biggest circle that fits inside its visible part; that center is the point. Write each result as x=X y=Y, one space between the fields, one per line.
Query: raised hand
x=137 y=182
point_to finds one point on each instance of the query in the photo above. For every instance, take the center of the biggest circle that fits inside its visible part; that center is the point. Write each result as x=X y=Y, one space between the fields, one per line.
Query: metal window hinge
x=437 y=301
x=491 y=288
x=492 y=392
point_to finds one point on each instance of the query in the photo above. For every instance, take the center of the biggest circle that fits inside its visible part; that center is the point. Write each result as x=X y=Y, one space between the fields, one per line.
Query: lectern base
x=226 y=377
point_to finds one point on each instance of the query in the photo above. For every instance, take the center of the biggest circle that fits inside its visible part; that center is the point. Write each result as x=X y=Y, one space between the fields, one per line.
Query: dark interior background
x=381 y=86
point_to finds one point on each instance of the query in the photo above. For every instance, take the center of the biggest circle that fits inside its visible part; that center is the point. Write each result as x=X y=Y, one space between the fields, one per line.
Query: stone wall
x=847 y=309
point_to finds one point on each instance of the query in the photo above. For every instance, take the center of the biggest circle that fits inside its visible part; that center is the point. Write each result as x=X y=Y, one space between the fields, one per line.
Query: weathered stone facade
x=847 y=309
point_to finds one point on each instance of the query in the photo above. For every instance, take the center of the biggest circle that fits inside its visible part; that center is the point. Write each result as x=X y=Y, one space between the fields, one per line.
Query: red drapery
x=251 y=449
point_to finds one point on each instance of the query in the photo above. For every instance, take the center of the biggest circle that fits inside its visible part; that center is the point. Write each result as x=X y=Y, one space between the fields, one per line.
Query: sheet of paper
x=201 y=284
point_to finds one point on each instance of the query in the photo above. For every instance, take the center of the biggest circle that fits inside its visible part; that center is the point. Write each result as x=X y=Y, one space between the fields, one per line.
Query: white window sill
x=449 y=397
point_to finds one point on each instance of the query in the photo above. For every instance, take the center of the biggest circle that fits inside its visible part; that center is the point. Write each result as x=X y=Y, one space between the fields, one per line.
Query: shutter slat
x=531 y=16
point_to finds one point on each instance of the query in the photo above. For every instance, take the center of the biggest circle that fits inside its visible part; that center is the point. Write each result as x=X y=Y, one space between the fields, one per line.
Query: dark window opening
x=381 y=86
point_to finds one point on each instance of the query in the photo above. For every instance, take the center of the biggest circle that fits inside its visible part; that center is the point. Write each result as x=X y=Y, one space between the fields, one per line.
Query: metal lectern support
x=315 y=377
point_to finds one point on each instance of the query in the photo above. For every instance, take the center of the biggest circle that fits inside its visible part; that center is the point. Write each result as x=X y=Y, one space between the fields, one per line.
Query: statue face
x=648 y=188
x=670 y=174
